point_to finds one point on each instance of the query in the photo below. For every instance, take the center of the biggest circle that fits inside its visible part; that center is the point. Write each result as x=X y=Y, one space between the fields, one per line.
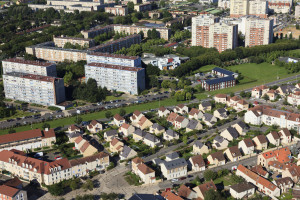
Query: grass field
x=254 y=75
x=109 y=98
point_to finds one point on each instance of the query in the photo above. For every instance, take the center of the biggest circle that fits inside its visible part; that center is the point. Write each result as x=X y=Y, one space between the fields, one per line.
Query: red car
x=58 y=158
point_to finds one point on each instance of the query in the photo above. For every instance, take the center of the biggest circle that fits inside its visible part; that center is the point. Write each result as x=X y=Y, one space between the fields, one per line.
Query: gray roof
x=242 y=187
x=180 y=162
x=171 y=133
x=111 y=132
x=219 y=139
x=208 y=116
x=199 y=144
x=157 y=126
x=140 y=132
x=151 y=137
x=146 y=197
x=242 y=125
x=192 y=124
x=223 y=71
x=205 y=103
x=221 y=110
x=158 y=161
x=287 y=88
x=73 y=135
x=233 y=132
x=173 y=155
x=126 y=151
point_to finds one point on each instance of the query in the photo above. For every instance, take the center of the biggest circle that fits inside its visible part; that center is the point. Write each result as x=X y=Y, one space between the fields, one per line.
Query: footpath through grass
x=255 y=74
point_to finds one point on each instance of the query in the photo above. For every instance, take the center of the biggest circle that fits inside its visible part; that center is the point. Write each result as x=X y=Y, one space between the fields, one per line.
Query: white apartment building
x=224 y=4
x=280 y=6
x=258 y=31
x=174 y=169
x=115 y=77
x=44 y=90
x=60 y=41
x=163 y=63
x=114 y=59
x=266 y=115
x=28 y=67
x=207 y=33
x=240 y=8
x=118 y=10
x=297 y=11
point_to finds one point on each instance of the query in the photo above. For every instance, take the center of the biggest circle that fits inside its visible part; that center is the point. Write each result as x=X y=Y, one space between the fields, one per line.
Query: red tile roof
x=78 y=140
x=118 y=117
x=114 y=141
x=137 y=113
x=145 y=169
x=179 y=118
x=125 y=126
x=184 y=191
x=198 y=160
x=207 y=186
x=85 y=145
x=25 y=135
x=137 y=160
x=194 y=111
x=15 y=182
x=172 y=116
x=162 y=109
x=168 y=195
x=221 y=95
x=259 y=170
x=248 y=142
x=8 y=191
x=86 y=159
x=142 y=120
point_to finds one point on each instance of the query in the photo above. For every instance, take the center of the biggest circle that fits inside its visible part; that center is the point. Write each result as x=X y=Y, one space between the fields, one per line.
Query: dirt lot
x=289 y=30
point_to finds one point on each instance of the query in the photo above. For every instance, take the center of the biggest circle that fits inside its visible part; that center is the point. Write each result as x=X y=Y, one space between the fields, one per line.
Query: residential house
x=110 y=134
x=285 y=136
x=197 y=163
x=134 y=163
x=220 y=143
x=174 y=169
x=296 y=193
x=259 y=91
x=232 y=101
x=151 y=140
x=180 y=122
x=85 y=147
x=241 y=105
x=285 y=184
x=172 y=156
x=221 y=113
x=293 y=172
x=209 y=119
x=74 y=129
x=127 y=153
x=163 y=112
x=146 y=174
x=216 y=158
x=260 y=142
x=186 y=192
x=195 y=114
x=126 y=129
x=171 y=118
x=168 y=195
x=203 y=188
x=230 y=134
x=294 y=98
x=220 y=98
x=181 y=109
x=170 y=135
x=233 y=153
x=144 y=123
x=138 y=135
x=199 y=148
x=205 y=106
x=241 y=128
x=282 y=155
x=274 y=138
x=285 y=90
x=94 y=126
x=156 y=129
x=11 y=193
x=116 y=146
x=136 y=116
x=118 y=120
x=272 y=94
x=193 y=125
x=258 y=169
x=72 y=136
x=242 y=190
x=261 y=183
x=246 y=146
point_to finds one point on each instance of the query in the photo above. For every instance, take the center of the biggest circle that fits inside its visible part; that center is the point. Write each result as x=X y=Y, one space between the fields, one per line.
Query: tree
x=74 y=185
x=199 y=88
x=185 y=139
x=11 y=131
x=213 y=195
x=108 y=114
x=130 y=6
x=209 y=175
x=85 y=197
x=122 y=112
x=68 y=78
x=89 y=185
x=110 y=196
x=78 y=120
x=55 y=189
x=188 y=96
x=243 y=94
x=266 y=97
x=45 y=125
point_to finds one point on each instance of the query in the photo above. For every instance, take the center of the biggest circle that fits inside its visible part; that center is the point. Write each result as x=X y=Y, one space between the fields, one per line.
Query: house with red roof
x=116 y=146
x=203 y=188
x=11 y=193
x=180 y=122
x=118 y=120
x=84 y=147
x=163 y=112
x=282 y=155
x=146 y=174
x=259 y=91
x=293 y=172
x=274 y=138
x=143 y=123
x=195 y=114
x=94 y=126
x=197 y=163
x=168 y=195
x=294 y=98
x=74 y=129
x=186 y=192
x=181 y=109
x=220 y=98
x=263 y=185
x=126 y=129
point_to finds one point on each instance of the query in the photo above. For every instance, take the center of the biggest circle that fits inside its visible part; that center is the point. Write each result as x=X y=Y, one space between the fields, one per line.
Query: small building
x=180 y=122
x=220 y=98
x=203 y=188
x=74 y=129
x=170 y=135
x=216 y=158
x=241 y=128
x=116 y=146
x=85 y=147
x=233 y=153
x=163 y=112
x=110 y=134
x=209 y=119
x=118 y=120
x=181 y=109
x=156 y=129
x=258 y=92
x=199 y=148
x=246 y=146
x=274 y=138
x=195 y=114
x=230 y=134
x=126 y=129
x=193 y=125
x=221 y=113
x=151 y=140
x=94 y=126
x=197 y=163
x=144 y=123
x=127 y=153
x=285 y=184
x=260 y=142
x=220 y=143
x=186 y=192
x=174 y=169
x=285 y=136
x=242 y=190
x=205 y=106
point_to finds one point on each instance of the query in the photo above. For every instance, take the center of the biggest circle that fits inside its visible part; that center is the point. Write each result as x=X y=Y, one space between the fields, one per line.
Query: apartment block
x=25 y=140
x=97 y=31
x=225 y=4
x=207 y=33
x=115 y=77
x=61 y=41
x=258 y=31
x=164 y=33
x=240 y=8
x=48 y=51
x=44 y=90
x=143 y=7
x=29 y=67
x=119 y=10
x=280 y=6
x=113 y=46
x=114 y=59
x=22 y=166
x=297 y=11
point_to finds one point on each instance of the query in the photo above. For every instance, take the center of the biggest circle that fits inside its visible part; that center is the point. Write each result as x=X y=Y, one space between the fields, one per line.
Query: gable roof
x=218 y=155
x=205 y=104
x=223 y=71
x=162 y=109
x=285 y=132
x=221 y=95
x=235 y=152
x=126 y=151
x=194 y=111
x=137 y=160
x=88 y=159
x=242 y=187
x=15 y=182
x=233 y=132
x=179 y=118
x=262 y=139
x=168 y=195
x=275 y=135
x=208 y=117
x=142 y=120
x=125 y=126
x=144 y=168
x=198 y=160
x=284 y=181
x=248 y=142
x=111 y=133
x=180 y=162
x=157 y=126
x=184 y=191
x=259 y=170
x=8 y=191
x=173 y=155
x=199 y=144
x=118 y=117
x=171 y=133
x=137 y=113
x=219 y=80
x=172 y=116
x=94 y=122
x=192 y=124
x=207 y=186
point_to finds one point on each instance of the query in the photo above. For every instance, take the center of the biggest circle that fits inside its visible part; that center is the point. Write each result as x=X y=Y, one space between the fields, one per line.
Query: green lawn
x=254 y=75
x=18 y=113
x=110 y=98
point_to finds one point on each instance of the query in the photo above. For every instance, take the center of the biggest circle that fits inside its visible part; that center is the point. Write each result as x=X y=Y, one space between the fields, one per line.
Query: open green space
x=19 y=113
x=110 y=98
x=255 y=74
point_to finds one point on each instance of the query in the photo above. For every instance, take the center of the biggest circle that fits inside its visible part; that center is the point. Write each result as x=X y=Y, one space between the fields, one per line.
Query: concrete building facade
x=60 y=41
x=114 y=59
x=119 y=10
x=240 y=8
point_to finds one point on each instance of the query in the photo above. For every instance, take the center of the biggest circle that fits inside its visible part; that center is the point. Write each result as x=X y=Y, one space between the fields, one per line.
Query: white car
x=174 y=180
